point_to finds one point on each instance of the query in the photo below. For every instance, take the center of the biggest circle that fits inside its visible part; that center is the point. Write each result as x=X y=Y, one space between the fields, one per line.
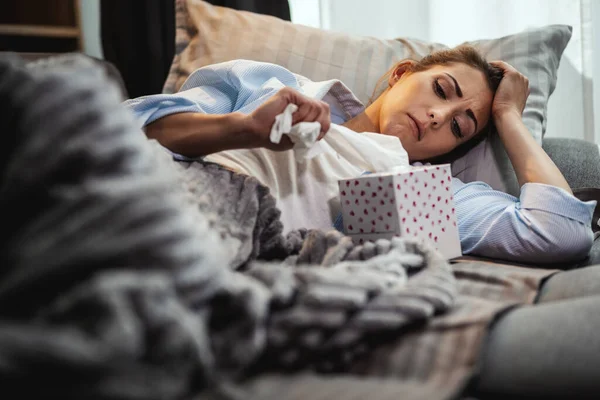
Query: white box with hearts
x=415 y=202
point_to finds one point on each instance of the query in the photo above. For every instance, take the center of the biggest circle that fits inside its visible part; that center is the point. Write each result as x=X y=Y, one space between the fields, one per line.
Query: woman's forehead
x=473 y=86
x=466 y=75
x=471 y=81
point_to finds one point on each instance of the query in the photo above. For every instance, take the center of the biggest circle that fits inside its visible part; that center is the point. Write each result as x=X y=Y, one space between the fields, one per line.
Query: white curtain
x=575 y=102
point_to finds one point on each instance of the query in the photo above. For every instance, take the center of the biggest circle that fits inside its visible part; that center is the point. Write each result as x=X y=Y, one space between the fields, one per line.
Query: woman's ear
x=399 y=70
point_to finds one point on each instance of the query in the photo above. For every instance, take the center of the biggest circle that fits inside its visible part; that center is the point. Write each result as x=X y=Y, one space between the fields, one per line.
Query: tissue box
x=414 y=202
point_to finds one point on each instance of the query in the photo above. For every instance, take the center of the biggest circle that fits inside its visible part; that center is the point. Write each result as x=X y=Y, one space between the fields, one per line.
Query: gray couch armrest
x=578 y=160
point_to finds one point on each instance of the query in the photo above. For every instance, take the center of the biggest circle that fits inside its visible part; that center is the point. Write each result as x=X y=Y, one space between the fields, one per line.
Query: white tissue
x=303 y=135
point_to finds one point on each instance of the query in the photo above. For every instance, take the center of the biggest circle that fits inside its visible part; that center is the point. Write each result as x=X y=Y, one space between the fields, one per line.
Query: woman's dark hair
x=463 y=54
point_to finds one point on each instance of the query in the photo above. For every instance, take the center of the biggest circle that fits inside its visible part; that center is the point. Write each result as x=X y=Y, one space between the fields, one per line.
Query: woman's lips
x=415 y=127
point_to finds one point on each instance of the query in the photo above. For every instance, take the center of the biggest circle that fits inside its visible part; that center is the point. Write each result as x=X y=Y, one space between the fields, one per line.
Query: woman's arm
x=546 y=224
x=530 y=161
x=197 y=134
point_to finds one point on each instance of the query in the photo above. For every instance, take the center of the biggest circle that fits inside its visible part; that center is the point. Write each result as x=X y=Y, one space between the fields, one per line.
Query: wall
x=407 y=18
x=404 y=18
x=306 y=12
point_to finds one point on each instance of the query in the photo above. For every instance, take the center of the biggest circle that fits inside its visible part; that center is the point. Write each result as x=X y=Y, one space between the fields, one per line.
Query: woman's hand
x=198 y=134
x=259 y=122
x=530 y=161
x=512 y=92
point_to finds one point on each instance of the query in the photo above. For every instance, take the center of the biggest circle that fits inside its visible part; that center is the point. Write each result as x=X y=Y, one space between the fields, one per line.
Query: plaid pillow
x=207 y=34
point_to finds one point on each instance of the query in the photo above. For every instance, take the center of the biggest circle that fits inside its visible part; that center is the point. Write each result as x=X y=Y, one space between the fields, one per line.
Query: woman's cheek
x=393 y=130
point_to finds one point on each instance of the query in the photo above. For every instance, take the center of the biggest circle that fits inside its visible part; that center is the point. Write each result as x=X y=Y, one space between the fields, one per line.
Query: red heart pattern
x=417 y=197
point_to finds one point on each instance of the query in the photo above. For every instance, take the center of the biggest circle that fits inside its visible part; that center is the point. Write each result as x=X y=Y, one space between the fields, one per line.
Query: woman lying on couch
x=442 y=104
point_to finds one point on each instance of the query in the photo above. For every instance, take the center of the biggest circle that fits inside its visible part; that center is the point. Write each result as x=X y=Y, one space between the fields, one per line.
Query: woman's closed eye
x=438 y=89
x=454 y=125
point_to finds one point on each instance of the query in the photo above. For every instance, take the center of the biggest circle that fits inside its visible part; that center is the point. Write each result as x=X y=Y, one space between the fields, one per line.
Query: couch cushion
x=578 y=160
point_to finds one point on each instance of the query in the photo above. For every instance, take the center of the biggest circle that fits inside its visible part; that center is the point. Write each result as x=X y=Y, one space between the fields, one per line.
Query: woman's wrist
x=239 y=131
x=506 y=117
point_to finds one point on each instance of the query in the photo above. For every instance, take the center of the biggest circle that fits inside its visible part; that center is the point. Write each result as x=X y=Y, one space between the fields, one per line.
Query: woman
x=436 y=106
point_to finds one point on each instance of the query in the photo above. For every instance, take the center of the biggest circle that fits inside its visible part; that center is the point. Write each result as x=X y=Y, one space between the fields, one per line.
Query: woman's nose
x=439 y=116
x=432 y=120
x=435 y=121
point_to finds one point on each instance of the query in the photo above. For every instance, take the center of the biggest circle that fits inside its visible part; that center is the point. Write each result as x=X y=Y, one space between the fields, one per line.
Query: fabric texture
x=543 y=224
x=425 y=363
x=203 y=32
x=38 y=60
x=549 y=350
x=578 y=160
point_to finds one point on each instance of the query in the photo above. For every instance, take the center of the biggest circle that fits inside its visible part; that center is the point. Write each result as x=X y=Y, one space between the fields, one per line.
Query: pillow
x=204 y=35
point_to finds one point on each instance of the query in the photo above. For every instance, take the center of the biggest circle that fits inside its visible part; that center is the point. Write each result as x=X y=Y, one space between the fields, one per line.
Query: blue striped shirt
x=545 y=224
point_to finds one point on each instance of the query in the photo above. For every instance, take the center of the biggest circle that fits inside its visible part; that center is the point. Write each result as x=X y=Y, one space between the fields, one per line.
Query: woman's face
x=434 y=111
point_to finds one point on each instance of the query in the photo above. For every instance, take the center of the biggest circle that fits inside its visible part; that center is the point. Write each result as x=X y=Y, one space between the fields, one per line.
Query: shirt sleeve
x=545 y=224
x=216 y=99
x=238 y=85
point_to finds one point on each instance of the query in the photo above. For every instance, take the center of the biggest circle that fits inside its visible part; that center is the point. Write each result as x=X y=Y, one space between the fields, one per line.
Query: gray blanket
x=126 y=275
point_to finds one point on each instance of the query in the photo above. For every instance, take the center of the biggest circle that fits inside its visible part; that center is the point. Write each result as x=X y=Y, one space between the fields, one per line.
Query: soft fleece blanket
x=126 y=275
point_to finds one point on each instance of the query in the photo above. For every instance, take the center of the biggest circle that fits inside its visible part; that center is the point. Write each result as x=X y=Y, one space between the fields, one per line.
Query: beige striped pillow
x=207 y=34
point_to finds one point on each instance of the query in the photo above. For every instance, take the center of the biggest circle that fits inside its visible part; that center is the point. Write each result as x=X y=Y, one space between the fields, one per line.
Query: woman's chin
x=415 y=154
x=412 y=154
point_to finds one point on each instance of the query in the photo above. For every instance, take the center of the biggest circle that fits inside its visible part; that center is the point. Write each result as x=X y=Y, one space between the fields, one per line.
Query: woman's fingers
x=261 y=120
x=300 y=114
x=324 y=119
x=508 y=69
x=504 y=66
x=314 y=111
x=513 y=90
x=312 y=114
x=309 y=110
